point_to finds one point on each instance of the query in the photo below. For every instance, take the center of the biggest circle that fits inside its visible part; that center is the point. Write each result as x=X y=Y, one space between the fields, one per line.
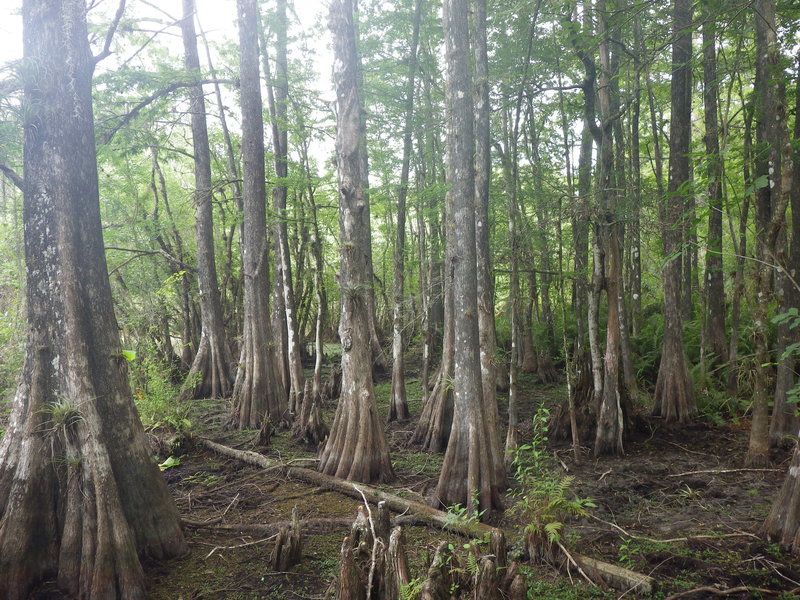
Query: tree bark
x=610 y=421
x=356 y=449
x=785 y=420
x=716 y=343
x=468 y=473
x=483 y=168
x=398 y=404
x=210 y=375
x=258 y=391
x=80 y=497
x=771 y=203
x=674 y=397
x=278 y=101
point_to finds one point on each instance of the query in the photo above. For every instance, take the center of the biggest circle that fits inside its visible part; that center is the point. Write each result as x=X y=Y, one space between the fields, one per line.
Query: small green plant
x=63 y=414
x=413 y=589
x=157 y=395
x=463 y=516
x=542 y=495
x=625 y=552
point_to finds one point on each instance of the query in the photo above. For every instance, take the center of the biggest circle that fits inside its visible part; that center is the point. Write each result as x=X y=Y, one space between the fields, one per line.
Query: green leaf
x=791 y=350
x=171 y=461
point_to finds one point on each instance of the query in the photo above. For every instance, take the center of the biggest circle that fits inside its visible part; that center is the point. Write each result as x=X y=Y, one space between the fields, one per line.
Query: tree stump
x=332 y=388
x=308 y=424
x=514 y=584
x=486 y=580
x=441 y=580
x=396 y=565
x=288 y=548
x=263 y=438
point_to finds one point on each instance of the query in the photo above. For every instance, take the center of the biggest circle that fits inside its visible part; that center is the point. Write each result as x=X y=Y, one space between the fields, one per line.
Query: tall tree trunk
x=210 y=375
x=771 y=203
x=80 y=497
x=674 y=396
x=485 y=276
x=468 y=473
x=635 y=286
x=717 y=344
x=785 y=421
x=258 y=391
x=278 y=101
x=398 y=404
x=608 y=438
x=356 y=449
x=734 y=370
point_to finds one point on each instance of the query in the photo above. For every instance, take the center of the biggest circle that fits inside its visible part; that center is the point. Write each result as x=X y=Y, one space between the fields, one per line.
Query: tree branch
x=15 y=178
x=134 y=112
x=112 y=29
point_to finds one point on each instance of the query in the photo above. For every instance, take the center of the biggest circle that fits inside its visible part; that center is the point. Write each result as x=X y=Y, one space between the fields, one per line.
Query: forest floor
x=677 y=507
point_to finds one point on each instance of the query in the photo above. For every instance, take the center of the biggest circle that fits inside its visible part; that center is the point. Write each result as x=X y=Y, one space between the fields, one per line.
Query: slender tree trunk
x=210 y=375
x=278 y=94
x=717 y=345
x=608 y=438
x=674 y=396
x=398 y=405
x=356 y=449
x=741 y=253
x=229 y=281
x=258 y=390
x=468 y=473
x=635 y=286
x=80 y=497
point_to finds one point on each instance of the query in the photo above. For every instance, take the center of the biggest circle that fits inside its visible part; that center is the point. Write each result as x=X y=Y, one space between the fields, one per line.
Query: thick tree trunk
x=469 y=476
x=783 y=522
x=674 y=397
x=436 y=418
x=258 y=391
x=785 y=421
x=356 y=449
x=80 y=497
x=772 y=201
x=483 y=168
x=210 y=375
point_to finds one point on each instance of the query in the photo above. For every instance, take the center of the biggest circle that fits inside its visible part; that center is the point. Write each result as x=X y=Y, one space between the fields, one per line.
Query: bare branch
x=15 y=177
x=112 y=29
x=133 y=113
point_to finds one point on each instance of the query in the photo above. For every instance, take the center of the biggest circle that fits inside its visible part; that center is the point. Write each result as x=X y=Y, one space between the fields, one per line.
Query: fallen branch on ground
x=240 y=545
x=724 y=471
x=726 y=592
x=308 y=525
x=615 y=576
x=673 y=540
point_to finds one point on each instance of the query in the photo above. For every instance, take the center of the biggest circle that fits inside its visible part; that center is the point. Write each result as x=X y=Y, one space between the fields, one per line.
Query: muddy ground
x=677 y=507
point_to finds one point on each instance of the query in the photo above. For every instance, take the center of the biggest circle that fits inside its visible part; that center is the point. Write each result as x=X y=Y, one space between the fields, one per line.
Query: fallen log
x=307 y=526
x=427 y=514
x=617 y=577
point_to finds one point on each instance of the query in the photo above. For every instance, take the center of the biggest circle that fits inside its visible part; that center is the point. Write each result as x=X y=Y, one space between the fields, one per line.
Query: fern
x=543 y=494
x=472 y=564
x=412 y=590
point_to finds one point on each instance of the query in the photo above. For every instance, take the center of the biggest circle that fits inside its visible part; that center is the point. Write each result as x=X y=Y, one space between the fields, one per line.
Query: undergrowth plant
x=157 y=396
x=542 y=495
